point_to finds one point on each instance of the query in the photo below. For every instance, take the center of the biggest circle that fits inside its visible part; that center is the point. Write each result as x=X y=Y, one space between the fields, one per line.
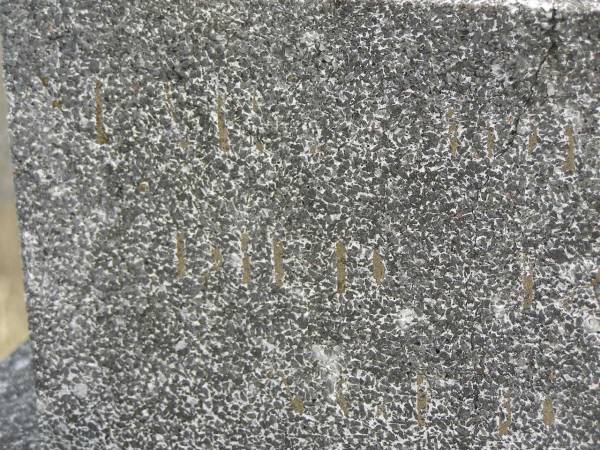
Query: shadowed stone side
x=18 y=418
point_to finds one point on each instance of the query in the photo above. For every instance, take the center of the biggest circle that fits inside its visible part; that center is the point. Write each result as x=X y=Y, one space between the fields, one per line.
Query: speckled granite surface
x=18 y=419
x=309 y=224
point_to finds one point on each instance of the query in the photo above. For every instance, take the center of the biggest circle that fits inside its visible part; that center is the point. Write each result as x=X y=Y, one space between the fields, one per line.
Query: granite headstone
x=309 y=224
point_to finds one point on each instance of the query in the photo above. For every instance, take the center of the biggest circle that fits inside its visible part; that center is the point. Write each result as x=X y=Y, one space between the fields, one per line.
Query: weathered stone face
x=311 y=224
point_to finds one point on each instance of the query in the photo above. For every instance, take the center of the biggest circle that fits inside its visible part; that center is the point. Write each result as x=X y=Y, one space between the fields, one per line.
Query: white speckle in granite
x=80 y=390
x=181 y=345
x=405 y=317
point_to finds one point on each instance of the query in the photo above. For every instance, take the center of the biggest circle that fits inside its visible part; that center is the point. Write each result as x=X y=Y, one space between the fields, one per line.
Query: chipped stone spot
x=503 y=428
x=378 y=266
x=548 y=412
x=278 y=271
x=505 y=424
x=340 y=398
x=180 y=254
x=421 y=407
x=340 y=253
x=454 y=144
x=297 y=404
x=246 y=269
x=421 y=401
x=143 y=187
x=244 y=242
x=596 y=280
x=56 y=103
x=246 y=265
x=528 y=290
x=101 y=137
x=381 y=411
x=260 y=146
x=342 y=403
x=532 y=142
x=528 y=283
x=221 y=127
x=491 y=142
x=217 y=259
x=254 y=103
x=45 y=81
x=569 y=164
x=316 y=150
x=453 y=134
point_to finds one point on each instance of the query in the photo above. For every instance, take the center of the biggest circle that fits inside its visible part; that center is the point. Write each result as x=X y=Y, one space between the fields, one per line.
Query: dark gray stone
x=460 y=139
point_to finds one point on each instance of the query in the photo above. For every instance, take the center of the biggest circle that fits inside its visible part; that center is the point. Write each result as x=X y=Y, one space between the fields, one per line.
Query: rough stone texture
x=202 y=187
x=18 y=420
